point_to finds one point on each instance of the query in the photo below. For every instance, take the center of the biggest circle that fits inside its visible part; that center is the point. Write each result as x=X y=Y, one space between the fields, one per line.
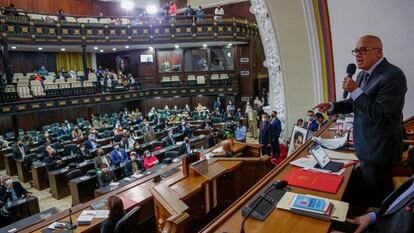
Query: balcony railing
x=28 y=27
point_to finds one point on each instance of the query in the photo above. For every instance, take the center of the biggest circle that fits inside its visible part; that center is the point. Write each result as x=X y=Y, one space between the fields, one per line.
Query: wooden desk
x=188 y=191
x=22 y=171
x=284 y=221
x=24 y=207
x=39 y=177
x=10 y=165
x=59 y=184
x=2 y=153
x=29 y=221
x=81 y=189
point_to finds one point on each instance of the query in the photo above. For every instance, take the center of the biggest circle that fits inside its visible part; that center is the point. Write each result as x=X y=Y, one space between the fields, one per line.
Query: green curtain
x=72 y=61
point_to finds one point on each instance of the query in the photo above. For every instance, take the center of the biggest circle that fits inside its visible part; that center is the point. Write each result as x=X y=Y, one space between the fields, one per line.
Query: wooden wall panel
x=67 y=6
x=5 y=124
x=83 y=7
x=24 y=62
x=44 y=6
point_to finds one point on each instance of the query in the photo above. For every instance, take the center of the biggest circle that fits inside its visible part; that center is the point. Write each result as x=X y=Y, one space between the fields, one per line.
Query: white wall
x=392 y=21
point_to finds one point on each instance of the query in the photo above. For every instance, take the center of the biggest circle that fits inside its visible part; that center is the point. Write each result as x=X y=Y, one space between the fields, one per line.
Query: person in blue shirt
x=311 y=124
x=14 y=190
x=42 y=71
x=200 y=14
x=241 y=132
x=118 y=155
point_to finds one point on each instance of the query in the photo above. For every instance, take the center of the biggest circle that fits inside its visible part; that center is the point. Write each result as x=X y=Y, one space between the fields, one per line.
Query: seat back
x=53 y=74
x=23 y=92
x=191 y=77
x=92 y=77
x=129 y=222
x=214 y=76
x=171 y=154
x=74 y=174
x=201 y=80
x=70 y=148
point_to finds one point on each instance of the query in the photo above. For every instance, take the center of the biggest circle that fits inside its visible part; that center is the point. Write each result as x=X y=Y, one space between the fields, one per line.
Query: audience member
x=77 y=134
x=170 y=140
x=184 y=129
x=276 y=129
x=265 y=99
x=10 y=10
x=265 y=135
x=37 y=77
x=185 y=147
x=20 y=150
x=53 y=161
x=257 y=104
x=43 y=72
x=61 y=15
x=116 y=212
x=199 y=14
x=311 y=124
x=173 y=9
x=134 y=165
x=150 y=136
x=150 y=160
x=91 y=144
x=320 y=119
x=230 y=107
x=118 y=155
x=252 y=119
x=189 y=11
x=127 y=141
x=101 y=157
x=238 y=114
x=241 y=132
x=106 y=176
x=218 y=12
x=217 y=104
x=82 y=153
x=14 y=190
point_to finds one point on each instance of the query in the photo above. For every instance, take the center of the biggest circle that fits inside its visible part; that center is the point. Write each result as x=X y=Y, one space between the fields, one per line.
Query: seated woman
x=77 y=134
x=150 y=160
x=116 y=212
x=107 y=176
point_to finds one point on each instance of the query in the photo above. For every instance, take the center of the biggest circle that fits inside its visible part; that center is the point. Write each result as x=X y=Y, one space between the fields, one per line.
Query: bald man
x=377 y=100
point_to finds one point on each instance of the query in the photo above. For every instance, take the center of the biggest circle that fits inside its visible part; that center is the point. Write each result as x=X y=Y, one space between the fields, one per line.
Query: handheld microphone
x=279 y=185
x=350 y=70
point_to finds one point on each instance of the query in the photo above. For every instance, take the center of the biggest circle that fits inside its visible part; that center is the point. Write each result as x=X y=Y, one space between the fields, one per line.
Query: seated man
x=53 y=161
x=185 y=147
x=43 y=72
x=101 y=157
x=106 y=176
x=91 y=144
x=184 y=129
x=150 y=160
x=169 y=140
x=118 y=155
x=394 y=215
x=150 y=136
x=134 y=166
x=20 y=150
x=14 y=190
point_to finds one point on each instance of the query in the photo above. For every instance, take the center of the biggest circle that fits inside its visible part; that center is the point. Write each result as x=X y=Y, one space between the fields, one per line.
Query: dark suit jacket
x=401 y=217
x=98 y=160
x=378 y=115
x=51 y=164
x=265 y=134
x=17 y=154
x=276 y=129
x=183 y=149
x=128 y=167
x=18 y=188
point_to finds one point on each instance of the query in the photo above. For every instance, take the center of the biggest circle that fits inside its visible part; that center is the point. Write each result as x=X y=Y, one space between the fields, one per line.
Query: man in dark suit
x=275 y=130
x=217 y=104
x=169 y=140
x=20 y=150
x=396 y=214
x=53 y=161
x=265 y=134
x=14 y=190
x=185 y=147
x=311 y=124
x=377 y=100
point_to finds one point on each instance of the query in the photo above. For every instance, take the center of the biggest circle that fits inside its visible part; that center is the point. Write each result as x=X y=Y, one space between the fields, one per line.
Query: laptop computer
x=324 y=162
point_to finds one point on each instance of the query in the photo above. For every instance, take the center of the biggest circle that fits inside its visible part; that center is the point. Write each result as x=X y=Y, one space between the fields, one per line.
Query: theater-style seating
x=37 y=88
x=201 y=80
x=24 y=92
x=191 y=80
x=224 y=79
x=215 y=80
x=165 y=81
x=175 y=81
x=9 y=93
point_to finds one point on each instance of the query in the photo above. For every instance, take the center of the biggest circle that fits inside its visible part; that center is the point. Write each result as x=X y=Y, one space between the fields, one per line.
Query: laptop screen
x=320 y=155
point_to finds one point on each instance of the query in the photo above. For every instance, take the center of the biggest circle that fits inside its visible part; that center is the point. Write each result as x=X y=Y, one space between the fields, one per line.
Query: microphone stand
x=71 y=226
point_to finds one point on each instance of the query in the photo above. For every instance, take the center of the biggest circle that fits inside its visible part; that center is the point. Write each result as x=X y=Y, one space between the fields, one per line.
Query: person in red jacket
x=173 y=10
x=150 y=160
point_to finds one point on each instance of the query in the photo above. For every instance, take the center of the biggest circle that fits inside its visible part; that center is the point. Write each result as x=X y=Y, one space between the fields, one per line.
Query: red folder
x=314 y=180
x=128 y=203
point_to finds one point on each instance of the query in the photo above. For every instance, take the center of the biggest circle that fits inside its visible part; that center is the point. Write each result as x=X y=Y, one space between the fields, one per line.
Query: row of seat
x=193 y=80
x=20 y=76
x=70 y=19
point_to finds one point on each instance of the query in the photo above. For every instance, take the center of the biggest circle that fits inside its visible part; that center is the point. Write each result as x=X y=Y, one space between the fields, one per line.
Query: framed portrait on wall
x=298 y=138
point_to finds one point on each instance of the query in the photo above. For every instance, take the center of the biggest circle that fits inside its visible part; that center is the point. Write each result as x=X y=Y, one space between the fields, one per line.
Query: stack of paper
x=85 y=218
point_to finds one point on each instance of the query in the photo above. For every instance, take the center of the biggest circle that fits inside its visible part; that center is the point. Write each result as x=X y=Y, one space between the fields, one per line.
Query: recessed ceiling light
x=95 y=48
x=40 y=48
x=127 y=46
x=230 y=44
x=13 y=47
x=62 y=49
x=127 y=5
x=150 y=48
x=113 y=49
x=151 y=9
x=176 y=46
x=101 y=50
x=204 y=45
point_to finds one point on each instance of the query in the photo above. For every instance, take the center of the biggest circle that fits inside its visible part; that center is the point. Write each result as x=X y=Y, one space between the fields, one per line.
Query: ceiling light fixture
x=127 y=46
x=13 y=47
x=150 y=48
x=151 y=9
x=62 y=49
x=113 y=49
x=176 y=46
x=40 y=48
x=101 y=50
x=127 y=5
x=95 y=48
x=204 y=45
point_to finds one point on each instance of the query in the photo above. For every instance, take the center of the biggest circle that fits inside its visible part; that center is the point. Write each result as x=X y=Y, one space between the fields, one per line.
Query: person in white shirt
x=218 y=12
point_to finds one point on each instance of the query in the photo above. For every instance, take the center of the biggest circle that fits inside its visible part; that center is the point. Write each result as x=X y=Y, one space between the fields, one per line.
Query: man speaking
x=377 y=100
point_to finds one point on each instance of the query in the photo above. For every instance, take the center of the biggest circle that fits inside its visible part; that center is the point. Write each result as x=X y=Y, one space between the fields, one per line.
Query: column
x=6 y=62
x=84 y=62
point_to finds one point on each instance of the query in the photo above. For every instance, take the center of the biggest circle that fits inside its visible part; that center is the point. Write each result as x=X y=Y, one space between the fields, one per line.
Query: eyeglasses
x=362 y=51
